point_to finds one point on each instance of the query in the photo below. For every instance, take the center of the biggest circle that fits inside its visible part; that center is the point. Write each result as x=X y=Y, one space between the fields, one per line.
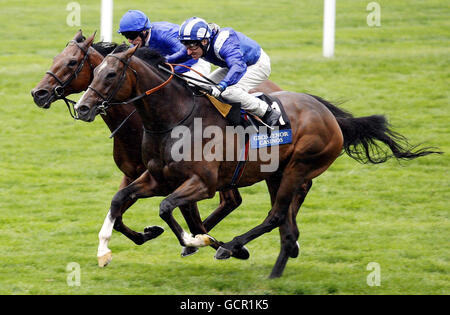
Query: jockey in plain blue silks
x=160 y=36
x=243 y=63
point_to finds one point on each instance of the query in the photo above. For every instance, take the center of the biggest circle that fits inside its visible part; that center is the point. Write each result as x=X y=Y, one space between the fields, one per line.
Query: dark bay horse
x=320 y=131
x=71 y=72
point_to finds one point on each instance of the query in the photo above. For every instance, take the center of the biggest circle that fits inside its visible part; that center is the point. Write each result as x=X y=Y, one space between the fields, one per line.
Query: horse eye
x=72 y=63
x=110 y=75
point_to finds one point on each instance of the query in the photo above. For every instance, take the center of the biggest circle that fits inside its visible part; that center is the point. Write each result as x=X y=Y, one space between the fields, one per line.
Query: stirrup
x=271 y=117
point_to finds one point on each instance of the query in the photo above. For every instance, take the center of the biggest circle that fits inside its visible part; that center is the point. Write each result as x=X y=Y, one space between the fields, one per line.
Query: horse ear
x=130 y=52
x=78 y=35
x=88 y=42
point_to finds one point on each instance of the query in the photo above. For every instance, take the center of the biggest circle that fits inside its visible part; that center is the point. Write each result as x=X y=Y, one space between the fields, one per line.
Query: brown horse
x=317 y=140
x=71 y=72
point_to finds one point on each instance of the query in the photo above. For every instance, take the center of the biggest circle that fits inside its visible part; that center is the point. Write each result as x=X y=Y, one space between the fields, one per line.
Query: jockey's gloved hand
x=216 y=90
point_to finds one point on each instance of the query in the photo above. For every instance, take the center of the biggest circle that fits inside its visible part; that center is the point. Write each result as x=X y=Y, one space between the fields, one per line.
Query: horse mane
x=105 y=48
x=154 y=59
x=150 y=56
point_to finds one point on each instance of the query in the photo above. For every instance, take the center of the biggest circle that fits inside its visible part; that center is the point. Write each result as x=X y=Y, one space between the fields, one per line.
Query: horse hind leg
x=229 y=201
x=289 y=233
x=293 y=176
x=296 y=174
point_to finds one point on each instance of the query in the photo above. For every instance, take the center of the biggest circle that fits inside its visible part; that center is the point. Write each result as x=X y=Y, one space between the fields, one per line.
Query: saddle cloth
x=235 y=116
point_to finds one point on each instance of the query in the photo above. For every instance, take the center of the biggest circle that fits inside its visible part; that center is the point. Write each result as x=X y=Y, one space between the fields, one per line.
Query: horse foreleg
x=146 y=186
x=191 y=191
x=104 y=255
x=143 y=187
x=229 y=200
x=192 y=217
x=119 y=226
x=118 y=223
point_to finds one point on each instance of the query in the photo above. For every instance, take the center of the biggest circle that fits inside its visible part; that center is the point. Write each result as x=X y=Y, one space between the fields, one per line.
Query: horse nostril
x=40 y=93
x=83 y=109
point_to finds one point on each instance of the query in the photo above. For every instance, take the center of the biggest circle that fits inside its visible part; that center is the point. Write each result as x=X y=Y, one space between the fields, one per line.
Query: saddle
x=238 y=117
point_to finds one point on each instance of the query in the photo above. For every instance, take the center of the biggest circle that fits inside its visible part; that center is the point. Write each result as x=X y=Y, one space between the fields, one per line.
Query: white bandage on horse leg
x=199 y=240
x=105 y=235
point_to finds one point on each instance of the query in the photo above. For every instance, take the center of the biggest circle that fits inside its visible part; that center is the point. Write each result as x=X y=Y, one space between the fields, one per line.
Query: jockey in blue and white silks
x=160 y=36
x=242 y=63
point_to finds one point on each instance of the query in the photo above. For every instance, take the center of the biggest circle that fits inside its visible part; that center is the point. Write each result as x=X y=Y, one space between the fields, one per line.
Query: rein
x=106 y=100
x=106 y=104
x=208 y=80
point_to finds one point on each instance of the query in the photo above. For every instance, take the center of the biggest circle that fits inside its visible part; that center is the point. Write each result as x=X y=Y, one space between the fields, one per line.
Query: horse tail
x=369 y=139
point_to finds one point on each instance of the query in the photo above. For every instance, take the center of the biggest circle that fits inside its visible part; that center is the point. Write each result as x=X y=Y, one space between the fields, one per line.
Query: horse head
x=69 y=73
x=110 y=82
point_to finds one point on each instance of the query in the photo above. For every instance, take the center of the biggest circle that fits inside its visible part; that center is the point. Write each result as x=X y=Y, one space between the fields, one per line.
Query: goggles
x=131 y=35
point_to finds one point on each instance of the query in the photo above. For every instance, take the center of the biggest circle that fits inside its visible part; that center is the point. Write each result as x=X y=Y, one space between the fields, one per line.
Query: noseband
x=59 y=90
x=106 y=100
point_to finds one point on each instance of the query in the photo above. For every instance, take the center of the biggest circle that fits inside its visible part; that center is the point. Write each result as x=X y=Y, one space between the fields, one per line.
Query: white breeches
x=255 y=75
x=201 y=66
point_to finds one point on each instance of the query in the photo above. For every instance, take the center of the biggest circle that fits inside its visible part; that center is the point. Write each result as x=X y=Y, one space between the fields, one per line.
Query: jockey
x=242 y=64
x=160 y=36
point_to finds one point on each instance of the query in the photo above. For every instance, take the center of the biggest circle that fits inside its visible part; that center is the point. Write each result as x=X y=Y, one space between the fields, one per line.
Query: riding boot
x=271 y=116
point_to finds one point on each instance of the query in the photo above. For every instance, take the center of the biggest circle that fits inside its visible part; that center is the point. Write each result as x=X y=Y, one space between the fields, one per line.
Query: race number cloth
x=281 y=135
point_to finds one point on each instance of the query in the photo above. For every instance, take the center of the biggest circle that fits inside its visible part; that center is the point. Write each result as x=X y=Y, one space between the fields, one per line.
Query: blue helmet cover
x=134 y=21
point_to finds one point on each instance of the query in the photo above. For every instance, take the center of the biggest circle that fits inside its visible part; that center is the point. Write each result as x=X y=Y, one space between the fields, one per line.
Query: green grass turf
x=58 y=177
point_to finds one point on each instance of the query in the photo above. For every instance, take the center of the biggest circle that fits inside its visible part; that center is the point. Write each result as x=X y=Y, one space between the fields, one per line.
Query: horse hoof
x=242 y=253
x=275 y=274
x=104 y=260
x=223 y=253
x=188 y=251
x=295 y=251
x=152 y=232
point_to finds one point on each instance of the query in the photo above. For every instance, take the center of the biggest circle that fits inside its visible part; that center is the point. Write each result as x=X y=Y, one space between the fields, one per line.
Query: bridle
x=106 y=103
x=59 y=90
x=106 y=100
